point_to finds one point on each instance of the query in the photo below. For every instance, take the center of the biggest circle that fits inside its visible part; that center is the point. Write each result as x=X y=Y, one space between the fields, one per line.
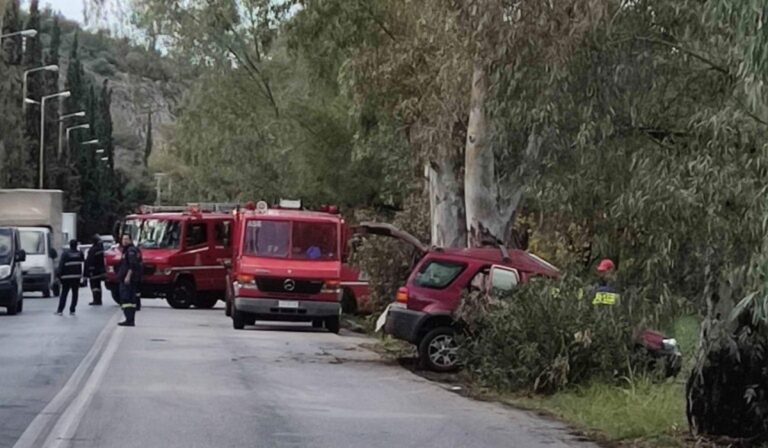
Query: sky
x=108 y=16
x=71 y=9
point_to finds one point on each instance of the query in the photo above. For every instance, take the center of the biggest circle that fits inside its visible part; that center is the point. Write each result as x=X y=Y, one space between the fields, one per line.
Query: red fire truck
x=183 y=249
x=287 y=265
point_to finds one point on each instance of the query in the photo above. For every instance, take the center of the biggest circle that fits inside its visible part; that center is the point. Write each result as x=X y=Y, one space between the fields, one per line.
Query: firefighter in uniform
x=70 y=274
x=95 y=268
x=129 y=276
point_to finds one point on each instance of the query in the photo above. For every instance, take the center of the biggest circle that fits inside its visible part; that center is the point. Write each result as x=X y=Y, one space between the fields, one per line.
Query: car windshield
x=6 y=246
x=160 y=234
x=291 y=239
x=32 y=242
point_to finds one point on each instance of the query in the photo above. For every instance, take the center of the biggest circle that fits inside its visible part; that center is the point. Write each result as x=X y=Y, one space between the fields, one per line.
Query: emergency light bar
x=292 y=204
x=223 y=207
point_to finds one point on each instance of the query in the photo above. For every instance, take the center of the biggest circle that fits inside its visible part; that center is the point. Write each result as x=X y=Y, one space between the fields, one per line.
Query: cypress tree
x=12 y=23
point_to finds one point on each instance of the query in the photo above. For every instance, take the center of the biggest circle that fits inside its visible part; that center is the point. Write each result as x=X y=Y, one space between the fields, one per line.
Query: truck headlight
x=5 y=271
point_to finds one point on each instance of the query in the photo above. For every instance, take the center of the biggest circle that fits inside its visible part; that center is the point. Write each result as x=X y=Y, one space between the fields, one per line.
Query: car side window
x=196 y=234
x=222 y=232
x=504 y=279
x=438 y=274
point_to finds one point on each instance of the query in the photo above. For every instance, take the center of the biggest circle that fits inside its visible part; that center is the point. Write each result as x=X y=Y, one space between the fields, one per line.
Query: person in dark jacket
x=129 y=276
x=70 y=274
x=95 y=269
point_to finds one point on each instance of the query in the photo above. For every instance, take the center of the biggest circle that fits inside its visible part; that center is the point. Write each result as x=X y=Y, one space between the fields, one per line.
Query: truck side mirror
x=21 y=256
x=53 y=254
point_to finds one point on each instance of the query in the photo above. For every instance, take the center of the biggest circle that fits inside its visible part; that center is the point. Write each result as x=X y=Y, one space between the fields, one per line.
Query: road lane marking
x=64 y=431
x=52 y=411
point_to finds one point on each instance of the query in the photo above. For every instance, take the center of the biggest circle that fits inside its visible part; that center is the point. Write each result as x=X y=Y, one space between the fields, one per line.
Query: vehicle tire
x=438 y=350
x=47 y=293
x=238 y=320
x=206 y=303
x=348 y=302
x=317 y=323
x=183 y=295
x=228 y=309
x=13 y=308
x=333 y=324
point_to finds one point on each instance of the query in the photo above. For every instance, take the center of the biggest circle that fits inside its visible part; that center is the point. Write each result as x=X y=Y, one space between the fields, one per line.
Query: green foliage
x=544 y=337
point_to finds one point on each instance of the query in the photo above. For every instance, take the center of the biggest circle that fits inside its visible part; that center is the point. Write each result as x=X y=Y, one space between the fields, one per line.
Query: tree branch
x=690 y=53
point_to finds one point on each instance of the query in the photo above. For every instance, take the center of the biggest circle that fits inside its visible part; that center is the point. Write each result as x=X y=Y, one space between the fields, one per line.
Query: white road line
x=64 y=431
x=52 y=410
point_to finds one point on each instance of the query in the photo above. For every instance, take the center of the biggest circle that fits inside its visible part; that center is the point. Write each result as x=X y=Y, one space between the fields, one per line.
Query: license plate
x=287 y=304
x=382 y=319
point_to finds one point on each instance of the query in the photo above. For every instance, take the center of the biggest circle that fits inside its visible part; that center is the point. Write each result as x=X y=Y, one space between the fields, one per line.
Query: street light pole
x=50 y=68
x=63 y=94
x=24 y=33
x=61 y=127
x=69 y=149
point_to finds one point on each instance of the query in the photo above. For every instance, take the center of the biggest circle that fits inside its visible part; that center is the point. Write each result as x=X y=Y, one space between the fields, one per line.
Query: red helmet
x=606 y=264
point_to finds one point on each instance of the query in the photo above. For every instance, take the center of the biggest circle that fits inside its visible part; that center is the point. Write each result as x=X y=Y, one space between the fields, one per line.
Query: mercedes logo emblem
x=289 y=284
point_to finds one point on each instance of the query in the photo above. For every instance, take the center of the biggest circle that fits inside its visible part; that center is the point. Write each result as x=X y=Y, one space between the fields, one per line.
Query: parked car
x=423 y=311
x=11 y=279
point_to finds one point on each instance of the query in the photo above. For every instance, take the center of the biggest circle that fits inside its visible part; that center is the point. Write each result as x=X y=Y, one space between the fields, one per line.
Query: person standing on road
x=95 y=268
x=129 y=275
x=70 y=274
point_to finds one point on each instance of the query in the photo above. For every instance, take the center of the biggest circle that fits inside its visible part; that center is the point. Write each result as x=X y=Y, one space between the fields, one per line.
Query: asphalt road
x=185 y=378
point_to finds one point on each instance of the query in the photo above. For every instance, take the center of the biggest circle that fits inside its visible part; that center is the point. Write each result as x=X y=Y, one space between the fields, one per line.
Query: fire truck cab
x=183 y=251
x=286 y=266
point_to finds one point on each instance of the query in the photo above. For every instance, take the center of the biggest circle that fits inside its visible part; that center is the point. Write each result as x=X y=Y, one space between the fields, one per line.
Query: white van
x=39 y=268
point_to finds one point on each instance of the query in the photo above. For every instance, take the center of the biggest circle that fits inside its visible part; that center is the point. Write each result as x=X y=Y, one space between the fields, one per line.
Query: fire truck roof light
x=261 y=207
x=294 y=204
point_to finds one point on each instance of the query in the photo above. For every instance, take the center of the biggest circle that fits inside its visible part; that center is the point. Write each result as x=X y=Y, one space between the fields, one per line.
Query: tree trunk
x=489 y=216
x=446 y=202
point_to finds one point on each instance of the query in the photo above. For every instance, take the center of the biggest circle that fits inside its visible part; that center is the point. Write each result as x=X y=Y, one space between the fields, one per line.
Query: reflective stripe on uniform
x=96 y=288
x=67 y=277
x=73 y=263
x=605 y=298
x=128 y=305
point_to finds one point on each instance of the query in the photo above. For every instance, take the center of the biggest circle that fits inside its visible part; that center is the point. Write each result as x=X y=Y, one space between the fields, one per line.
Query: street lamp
x=63 y=94
x=105 y=159
x=23 y=33
x=79 y=126
x=100 y=151
x=49 y=68
x=61 y=126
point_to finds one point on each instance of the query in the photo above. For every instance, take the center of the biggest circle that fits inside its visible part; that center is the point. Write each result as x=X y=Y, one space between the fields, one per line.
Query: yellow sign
x=605 y=298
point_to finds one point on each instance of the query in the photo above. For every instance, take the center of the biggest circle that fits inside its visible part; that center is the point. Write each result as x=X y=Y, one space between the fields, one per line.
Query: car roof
x=517 y=259
x=303 y=215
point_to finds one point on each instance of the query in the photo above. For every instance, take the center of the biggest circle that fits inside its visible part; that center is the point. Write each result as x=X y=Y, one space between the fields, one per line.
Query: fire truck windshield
x=132 y=228
x=300 y=240
x=160 y=234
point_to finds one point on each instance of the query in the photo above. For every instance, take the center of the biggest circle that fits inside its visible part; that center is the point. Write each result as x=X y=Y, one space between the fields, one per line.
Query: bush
x=103 y=67
x=545 y=336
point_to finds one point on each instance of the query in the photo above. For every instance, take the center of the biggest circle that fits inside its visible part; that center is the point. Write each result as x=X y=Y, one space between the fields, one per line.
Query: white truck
x=38 y=216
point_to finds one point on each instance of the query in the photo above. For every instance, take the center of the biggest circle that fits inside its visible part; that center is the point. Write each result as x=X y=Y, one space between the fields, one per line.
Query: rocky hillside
x=144 y=85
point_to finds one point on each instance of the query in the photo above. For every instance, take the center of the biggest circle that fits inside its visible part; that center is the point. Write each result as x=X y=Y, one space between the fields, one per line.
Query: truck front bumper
x=36 y=282
x=281 y=309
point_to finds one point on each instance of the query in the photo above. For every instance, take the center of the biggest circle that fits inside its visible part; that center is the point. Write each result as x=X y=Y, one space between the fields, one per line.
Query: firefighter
x=95 y=268
x=606 y=292
x=129 y=276
x=70 y=273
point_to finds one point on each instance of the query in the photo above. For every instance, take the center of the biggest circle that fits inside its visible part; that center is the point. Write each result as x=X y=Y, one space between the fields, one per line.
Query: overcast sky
x=71 y=9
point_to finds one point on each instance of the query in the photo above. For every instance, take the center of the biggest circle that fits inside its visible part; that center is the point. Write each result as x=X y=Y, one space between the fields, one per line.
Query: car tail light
x=402 y=295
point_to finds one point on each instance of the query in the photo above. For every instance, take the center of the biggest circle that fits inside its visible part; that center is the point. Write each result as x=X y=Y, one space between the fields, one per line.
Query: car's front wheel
x=238 y=320
x=439 y=351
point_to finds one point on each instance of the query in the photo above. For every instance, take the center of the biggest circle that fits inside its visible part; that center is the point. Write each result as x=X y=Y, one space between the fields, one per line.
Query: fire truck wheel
x=348 y=302
x=333 y=324
x=238 y=320
x=206 y=303
x=183 y=294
